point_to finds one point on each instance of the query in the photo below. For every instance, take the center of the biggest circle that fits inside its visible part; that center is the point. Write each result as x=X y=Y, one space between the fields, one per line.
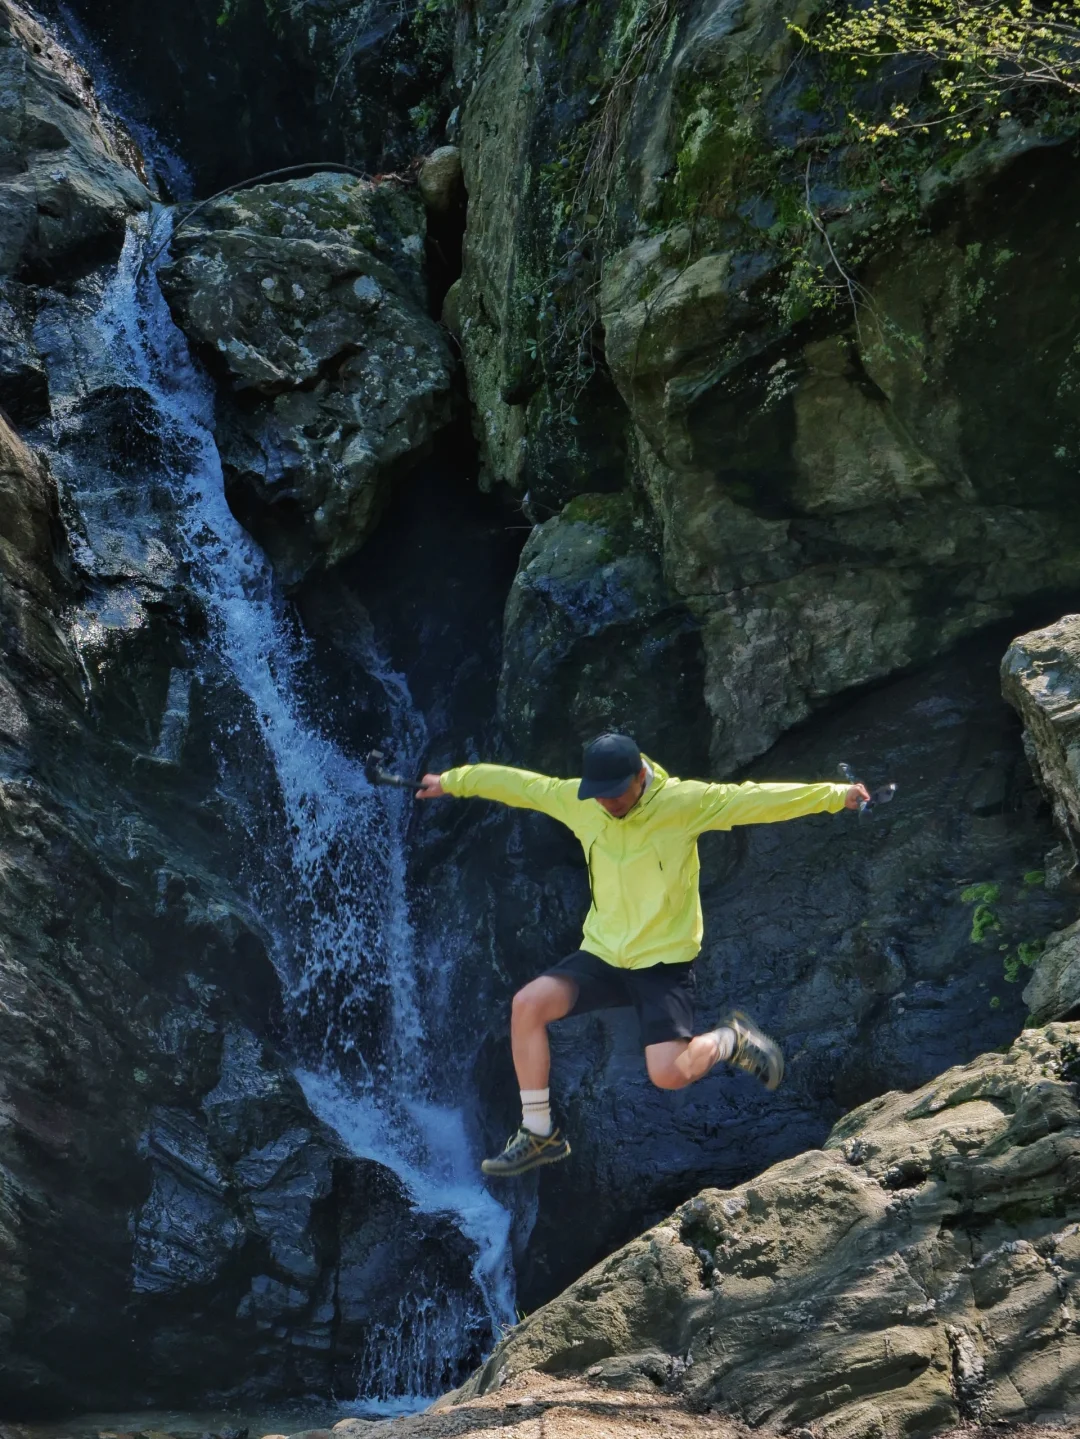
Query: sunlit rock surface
x=1040 y=677
x=833 y=501
x=920 y=1269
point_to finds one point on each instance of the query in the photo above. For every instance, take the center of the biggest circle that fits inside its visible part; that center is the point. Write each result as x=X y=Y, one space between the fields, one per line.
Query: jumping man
x=639 y=828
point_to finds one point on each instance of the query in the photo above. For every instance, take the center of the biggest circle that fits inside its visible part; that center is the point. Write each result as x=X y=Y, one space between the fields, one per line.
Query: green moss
x=612 y=515
x=1035 y=877
x=983 y=922
x=600 y=509
x=1027 y=952
x=987 y=893
x=722 y=156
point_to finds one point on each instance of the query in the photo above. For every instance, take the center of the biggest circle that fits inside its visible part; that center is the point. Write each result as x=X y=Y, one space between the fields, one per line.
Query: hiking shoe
x=755 y=1052
x=526 y=1150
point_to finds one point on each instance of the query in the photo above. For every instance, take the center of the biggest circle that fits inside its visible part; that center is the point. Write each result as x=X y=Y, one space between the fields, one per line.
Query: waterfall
x=327 y=864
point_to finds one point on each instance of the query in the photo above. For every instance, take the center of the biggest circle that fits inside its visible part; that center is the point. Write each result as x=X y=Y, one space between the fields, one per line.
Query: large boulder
x=1040 y=677
x=308 y=298
x=922 y=1268
x=835 y=500
x=595 y=639
x=69 y=173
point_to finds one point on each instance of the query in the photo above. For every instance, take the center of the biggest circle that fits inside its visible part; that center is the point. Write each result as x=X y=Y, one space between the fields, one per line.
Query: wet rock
x=24 y=385
x=307 y=298
x=818 y=1295
x=68 y=185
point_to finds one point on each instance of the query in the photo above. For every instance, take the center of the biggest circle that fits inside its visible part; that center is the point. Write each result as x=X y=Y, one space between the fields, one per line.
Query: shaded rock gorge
x=266 y=513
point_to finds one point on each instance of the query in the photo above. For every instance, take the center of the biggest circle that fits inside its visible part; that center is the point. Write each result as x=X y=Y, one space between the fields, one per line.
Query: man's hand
x=857 y=795
x=431 y=787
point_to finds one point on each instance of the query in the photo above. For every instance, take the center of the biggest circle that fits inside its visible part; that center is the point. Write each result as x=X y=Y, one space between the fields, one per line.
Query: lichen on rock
x=308 y=298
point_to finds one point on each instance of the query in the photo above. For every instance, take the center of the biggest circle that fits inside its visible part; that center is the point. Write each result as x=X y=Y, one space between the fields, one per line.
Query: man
x=639 y=828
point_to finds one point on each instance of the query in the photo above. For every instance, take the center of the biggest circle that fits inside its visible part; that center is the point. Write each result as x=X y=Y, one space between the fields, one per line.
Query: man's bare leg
x=737 y=1039
x=679 y=1062
x=537 y=1142
x=536 y=1006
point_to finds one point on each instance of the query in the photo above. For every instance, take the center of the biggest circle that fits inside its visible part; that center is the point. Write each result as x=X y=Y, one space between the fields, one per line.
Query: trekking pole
x=877 y=796
x=375 y=774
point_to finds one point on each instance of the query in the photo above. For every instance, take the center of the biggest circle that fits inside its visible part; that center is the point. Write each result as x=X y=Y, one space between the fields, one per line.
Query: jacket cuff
x=453 y=780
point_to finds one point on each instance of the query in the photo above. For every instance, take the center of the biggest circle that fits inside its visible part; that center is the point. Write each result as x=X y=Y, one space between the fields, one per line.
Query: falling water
x=331 y=883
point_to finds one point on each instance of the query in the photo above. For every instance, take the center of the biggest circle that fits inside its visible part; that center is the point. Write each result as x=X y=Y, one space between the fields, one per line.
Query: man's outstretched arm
x=518 y=787
x=722 y=806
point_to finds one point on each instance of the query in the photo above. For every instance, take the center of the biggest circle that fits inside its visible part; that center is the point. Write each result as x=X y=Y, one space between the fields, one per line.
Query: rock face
x=920 y=1269
x=172 y=1207
x=595 y=639
x=834 y=501
x=308 y=297
x=68 y=184
x=240 y=88
x=1040 y=677
x=173 y=1211
x=71 y=178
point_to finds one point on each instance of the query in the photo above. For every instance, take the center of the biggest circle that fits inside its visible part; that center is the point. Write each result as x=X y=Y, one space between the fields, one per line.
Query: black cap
x=611 y=764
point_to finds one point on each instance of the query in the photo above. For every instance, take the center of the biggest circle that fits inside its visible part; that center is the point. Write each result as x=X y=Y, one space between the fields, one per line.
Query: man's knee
x=543 y=1000
x=667 y=1076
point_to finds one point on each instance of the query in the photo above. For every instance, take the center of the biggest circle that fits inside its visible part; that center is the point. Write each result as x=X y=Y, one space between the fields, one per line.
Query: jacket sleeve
x=518 y=787
x=722 y=806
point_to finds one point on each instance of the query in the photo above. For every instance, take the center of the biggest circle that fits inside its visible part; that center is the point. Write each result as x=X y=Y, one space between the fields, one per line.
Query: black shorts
x=662 y=994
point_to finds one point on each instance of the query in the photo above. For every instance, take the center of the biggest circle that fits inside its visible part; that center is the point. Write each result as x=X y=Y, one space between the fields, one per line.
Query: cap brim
x=604 y=788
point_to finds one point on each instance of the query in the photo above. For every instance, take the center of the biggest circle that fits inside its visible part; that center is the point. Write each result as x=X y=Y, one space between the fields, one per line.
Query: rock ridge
x=921 y=1269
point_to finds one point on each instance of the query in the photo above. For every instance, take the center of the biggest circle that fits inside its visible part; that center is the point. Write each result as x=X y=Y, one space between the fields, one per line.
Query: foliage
x=983 y=921
x=986 y=920
x=1025 y=956
x=978 y=62
x=920 y=82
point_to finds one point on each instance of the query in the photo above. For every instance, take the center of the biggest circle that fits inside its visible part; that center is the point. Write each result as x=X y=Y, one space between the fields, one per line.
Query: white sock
x=536 y=1111
x=725 y=1043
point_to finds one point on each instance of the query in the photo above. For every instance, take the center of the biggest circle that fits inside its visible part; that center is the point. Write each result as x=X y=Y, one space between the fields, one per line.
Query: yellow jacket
x=643 y=869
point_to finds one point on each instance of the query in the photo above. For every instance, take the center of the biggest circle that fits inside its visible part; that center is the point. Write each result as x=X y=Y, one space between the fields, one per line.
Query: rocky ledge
x=920 y=1270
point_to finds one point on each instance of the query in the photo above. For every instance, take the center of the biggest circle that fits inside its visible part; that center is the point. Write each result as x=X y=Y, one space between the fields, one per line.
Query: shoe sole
x=504 y=1172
